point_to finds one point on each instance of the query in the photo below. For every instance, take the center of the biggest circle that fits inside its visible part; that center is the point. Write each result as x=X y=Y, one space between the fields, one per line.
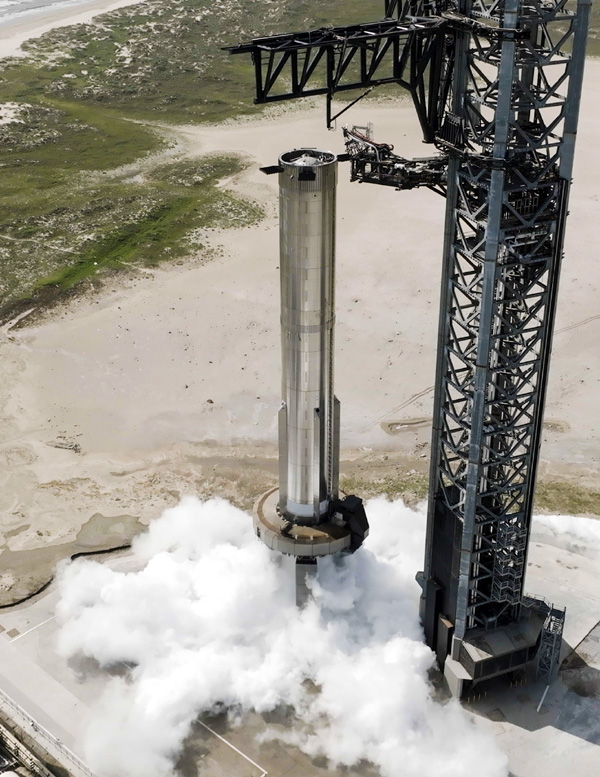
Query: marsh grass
x=566 y=498
x=410 y=486
x=106 y=225
x=184 y=198
x=552 y=496
x=85 y=92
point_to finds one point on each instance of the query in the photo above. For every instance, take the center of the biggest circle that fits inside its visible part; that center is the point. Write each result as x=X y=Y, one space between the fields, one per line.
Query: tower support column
x=509 y=137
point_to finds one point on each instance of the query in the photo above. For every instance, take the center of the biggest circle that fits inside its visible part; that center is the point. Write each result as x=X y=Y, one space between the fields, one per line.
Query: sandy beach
x=14 y=32
x=164 y=382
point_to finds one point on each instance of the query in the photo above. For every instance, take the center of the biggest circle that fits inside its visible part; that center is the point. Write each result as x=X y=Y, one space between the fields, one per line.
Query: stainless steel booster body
x=309 y=415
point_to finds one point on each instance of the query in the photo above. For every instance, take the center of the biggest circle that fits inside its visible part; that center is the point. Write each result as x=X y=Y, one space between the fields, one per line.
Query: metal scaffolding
x=496 y=85
x=509 y=132
x=548 y=653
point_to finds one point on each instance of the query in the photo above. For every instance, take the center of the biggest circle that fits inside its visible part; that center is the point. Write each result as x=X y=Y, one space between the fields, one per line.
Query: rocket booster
x=306 y=517
x=310 y=413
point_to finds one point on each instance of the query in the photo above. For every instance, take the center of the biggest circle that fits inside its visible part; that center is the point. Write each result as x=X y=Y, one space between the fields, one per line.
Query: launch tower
x=496 y=85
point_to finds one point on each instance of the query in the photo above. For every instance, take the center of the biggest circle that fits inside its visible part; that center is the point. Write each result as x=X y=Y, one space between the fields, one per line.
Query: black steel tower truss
x=496 y=85
x=405 y=51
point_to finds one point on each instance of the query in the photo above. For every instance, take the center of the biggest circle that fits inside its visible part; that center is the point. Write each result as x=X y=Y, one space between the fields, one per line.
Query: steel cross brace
x=497 y=87
x=409 y=52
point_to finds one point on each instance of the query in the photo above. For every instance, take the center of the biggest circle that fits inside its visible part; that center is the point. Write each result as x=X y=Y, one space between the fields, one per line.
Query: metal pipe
x=309 y=416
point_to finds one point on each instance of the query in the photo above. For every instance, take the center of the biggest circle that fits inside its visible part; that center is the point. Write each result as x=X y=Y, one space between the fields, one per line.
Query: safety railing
x=81 y=767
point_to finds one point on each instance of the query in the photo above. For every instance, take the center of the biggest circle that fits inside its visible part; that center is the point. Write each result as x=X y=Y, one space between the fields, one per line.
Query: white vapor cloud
x=209 y=621
x=570 y=532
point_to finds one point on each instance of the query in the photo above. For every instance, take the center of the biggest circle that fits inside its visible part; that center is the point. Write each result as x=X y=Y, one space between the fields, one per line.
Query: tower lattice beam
x=496 y=86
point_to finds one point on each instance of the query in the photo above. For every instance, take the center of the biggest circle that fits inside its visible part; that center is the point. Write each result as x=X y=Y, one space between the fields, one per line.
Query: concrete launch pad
x=564 y=737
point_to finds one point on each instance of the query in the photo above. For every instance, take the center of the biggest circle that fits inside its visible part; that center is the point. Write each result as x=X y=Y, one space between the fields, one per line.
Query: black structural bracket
x=352 y=510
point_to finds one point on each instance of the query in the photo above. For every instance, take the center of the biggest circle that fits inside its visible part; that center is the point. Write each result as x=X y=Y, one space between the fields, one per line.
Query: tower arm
x=409 y=52
x=373 y=162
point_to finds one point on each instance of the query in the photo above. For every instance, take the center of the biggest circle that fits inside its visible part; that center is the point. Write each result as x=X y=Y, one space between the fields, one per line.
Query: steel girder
x=509 y=130
x=407 y=50
x=496 y=85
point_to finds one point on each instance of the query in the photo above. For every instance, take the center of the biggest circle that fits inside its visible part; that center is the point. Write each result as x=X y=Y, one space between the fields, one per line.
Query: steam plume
x=209 y=620
x=570 y=532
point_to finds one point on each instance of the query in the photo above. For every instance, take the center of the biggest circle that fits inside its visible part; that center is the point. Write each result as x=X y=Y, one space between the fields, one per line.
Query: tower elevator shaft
x=509 y=132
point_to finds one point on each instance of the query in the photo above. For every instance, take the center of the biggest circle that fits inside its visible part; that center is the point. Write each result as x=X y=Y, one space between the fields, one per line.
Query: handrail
x=19 y=752
x=38 y=728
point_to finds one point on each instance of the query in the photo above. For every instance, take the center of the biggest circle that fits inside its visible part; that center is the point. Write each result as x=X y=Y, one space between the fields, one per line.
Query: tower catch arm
x=373 y=162
x=409 y=52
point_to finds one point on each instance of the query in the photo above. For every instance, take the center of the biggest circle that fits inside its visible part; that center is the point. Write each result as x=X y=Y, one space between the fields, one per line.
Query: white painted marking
x=543 y=698
x=233 y=747
x=33 y=628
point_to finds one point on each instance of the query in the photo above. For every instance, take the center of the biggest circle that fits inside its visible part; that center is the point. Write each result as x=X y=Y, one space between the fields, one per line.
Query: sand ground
x=14 y=32
x=165 y=382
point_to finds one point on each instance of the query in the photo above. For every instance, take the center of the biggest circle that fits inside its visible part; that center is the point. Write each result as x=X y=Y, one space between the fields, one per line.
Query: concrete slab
x=564 y=736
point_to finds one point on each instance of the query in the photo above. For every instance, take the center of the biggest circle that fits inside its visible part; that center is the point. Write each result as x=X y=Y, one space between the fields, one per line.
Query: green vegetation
x=167 y=220
x=410 y=486
x=82 y=104
x=79 y=192
x=593 y=47
x=107 y=223
x=164 y=60
x=561 y=496
x=552 y=496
